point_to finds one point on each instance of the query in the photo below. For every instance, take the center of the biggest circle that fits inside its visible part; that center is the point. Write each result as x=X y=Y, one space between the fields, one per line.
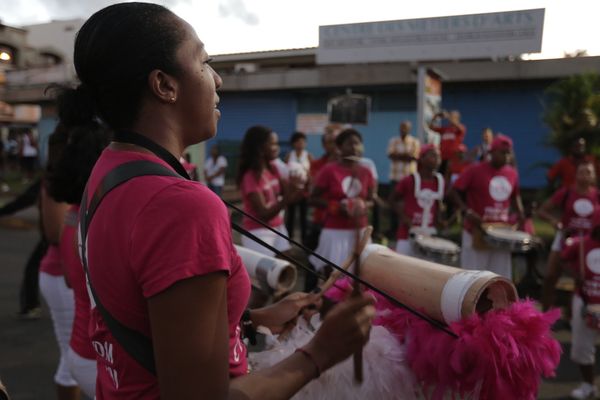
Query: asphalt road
x=28 y=351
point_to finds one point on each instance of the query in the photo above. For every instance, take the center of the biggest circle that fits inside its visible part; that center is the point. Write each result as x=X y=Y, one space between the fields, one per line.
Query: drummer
x=484 y=193
x=417 y=199
x=584 y=328
x=570 y=211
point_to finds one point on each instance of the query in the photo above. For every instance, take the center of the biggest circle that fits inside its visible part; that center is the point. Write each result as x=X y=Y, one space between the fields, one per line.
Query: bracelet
x=311 y=358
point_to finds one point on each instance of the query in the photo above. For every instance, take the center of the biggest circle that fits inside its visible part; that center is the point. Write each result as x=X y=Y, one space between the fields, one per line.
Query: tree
x=572 y=110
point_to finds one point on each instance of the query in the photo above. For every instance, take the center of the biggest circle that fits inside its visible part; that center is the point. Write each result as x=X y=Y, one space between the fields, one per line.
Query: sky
x=234 y=26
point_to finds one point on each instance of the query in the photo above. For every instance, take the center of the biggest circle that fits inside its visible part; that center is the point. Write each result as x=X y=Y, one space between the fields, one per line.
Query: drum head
x=593 y=308
x=508 y=234
x=437 y=244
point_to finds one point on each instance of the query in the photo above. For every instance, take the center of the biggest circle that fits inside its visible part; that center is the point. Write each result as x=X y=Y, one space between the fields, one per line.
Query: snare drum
x=591 y=315
x=508 y=239
x=435 y=249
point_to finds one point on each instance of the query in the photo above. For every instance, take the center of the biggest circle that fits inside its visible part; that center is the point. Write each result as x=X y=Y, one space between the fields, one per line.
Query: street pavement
x=28 y=351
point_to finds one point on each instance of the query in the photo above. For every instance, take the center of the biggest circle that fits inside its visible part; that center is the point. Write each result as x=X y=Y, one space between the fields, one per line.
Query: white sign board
x=458 y=37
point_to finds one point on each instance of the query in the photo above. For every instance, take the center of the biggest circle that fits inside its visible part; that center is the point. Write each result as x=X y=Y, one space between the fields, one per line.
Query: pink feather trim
x=499 y=355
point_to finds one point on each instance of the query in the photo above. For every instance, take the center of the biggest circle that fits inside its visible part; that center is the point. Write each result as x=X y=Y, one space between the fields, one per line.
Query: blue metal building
x=507 y=96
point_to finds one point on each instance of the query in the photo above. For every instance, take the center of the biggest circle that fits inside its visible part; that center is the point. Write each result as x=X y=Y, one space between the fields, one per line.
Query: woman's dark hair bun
x=75 y=105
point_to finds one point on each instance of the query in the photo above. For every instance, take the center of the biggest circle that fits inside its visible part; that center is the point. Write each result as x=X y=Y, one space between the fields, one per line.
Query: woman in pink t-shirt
x=66 y=183
x=159 y=250
x=570 y=210
x=345 y=190
x=264 y=193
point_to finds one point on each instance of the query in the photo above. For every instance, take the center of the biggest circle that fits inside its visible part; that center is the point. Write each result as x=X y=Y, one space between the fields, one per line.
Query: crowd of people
x=147 y=294
x=431 y=187
x=18 y=153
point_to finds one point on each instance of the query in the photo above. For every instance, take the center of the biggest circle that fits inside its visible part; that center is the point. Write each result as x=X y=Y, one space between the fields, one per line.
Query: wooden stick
x=581 y=261
x=356 y=291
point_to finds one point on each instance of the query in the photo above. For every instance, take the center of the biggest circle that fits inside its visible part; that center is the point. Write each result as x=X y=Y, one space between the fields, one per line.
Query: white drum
x=436 y=249
x=509 y=239
x=268 y=273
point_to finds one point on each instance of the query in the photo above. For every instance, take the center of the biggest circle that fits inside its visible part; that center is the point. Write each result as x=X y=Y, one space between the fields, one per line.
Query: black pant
x=443 y=167
x=29 y=294
x=290 y=217
x=393 y=216
x=312 y=241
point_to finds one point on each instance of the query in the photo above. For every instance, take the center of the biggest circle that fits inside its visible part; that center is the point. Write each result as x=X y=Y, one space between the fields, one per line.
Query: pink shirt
x=51 y=262
x=489 y=191
x=269 y=187
x=451 y=136
x=405 y=189
x=337 y=183
x=577 y=209
x=591 y=251
x=148 y=234
x=80 y=337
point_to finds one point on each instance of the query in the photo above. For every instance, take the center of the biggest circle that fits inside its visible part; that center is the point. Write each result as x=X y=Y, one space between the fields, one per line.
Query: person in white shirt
x=29 y=154
x=298 y=161
x=403 y=151
x=214 y=170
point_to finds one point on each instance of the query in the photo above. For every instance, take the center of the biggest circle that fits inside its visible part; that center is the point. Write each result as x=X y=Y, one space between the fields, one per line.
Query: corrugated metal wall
x=514 y=108
x=240 y=111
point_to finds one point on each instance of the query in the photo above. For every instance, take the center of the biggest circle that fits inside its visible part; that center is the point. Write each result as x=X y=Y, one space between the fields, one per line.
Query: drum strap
x=437 y=196
x=136 y=344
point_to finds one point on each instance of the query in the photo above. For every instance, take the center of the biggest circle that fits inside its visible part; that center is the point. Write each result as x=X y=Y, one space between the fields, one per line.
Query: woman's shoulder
x=185 y=192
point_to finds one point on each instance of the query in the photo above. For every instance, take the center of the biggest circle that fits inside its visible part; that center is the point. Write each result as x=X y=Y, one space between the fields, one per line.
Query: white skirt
x=269 y=237
x=84 y=372
x=336 y=245
x=61 y=303
x=498 y=261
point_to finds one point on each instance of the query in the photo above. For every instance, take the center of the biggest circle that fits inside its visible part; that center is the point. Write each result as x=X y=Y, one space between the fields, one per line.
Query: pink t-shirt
x=337 y=183
x=269 y=187
x=489 y=191
x=413 y=209
x=451 y=136
x=51 y=262
x=80 y=336
x=148 y=234
x=591 y=251
x=577 y=209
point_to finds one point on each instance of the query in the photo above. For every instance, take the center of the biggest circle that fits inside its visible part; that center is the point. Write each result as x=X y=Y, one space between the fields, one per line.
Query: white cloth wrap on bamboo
x=455 y=290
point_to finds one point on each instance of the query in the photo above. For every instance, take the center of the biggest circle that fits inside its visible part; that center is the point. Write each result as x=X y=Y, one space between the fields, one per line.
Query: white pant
x=62 y=310
x=495 y=260
x=404 y=247
x=583 y=349
x=84 y=372
x=269 y=237
x=557 y=243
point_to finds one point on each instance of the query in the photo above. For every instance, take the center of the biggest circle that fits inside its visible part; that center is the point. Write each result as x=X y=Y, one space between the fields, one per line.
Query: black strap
x=136 y=344
x=162 y=153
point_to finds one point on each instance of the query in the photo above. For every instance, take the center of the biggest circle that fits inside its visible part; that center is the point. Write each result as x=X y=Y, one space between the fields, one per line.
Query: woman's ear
x=163 y=86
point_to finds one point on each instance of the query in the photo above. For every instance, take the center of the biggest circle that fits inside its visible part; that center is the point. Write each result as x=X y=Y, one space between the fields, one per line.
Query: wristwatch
x=248 y=327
